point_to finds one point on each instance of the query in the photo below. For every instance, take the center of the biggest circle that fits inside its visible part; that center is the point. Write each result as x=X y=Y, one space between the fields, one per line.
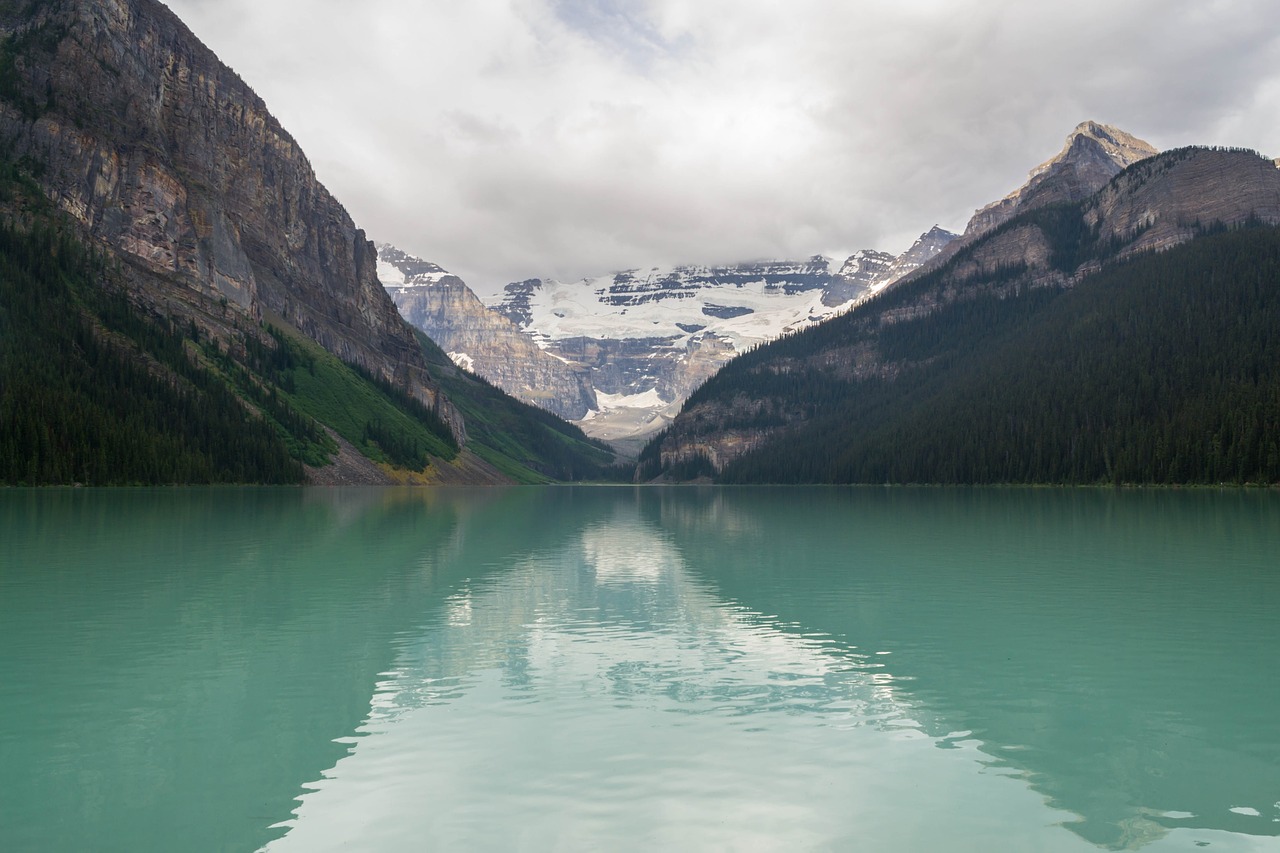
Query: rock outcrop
x=860 y=273
x=1094 y=153
x=164 y=155
x=1166 y=201
x=480 y=339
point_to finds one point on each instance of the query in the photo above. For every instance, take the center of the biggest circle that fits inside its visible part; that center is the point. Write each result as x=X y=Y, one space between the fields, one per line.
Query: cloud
x=506 y=139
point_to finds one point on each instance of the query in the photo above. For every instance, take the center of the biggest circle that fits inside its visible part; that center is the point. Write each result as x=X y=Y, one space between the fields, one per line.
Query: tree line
x=1161 y=369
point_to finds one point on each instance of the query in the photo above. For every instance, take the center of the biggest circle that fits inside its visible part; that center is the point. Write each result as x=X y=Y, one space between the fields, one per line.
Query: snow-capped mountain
x=482 y=340
x=861 y=272
x=744 y=303
x=619 y=354
x=652 y=336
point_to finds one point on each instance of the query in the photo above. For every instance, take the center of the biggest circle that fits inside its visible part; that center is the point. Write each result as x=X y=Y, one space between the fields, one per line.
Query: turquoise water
x=639 y=669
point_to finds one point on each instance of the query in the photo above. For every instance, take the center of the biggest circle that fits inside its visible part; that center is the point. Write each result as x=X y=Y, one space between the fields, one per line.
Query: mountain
x=858 y=275
x=1125 y=337
x=648 y=337
x=200 y=267
x=160 y=152
x=928 y=246
x=479 y=338
x=1092 y=155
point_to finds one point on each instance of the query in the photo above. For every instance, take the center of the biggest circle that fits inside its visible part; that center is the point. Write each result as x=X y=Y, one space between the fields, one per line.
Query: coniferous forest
x=1161 y=369
x=93 y=392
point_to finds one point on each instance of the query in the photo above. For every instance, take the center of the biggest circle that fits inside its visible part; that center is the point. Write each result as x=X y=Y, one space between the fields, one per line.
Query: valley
x=211 y=269
x=618 y=354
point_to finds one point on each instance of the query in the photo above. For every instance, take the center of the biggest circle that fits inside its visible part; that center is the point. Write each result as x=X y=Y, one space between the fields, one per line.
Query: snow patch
x=560 y=310
x=650 y=399
x=463 y=360
x=390 y=275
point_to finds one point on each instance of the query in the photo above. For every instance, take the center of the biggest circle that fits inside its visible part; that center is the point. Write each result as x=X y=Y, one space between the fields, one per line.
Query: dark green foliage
x=649 y=463
x=523 y=441
x=383 y=422
x=414 y=408
x=692 y=468
x=262 y=375
x=400 y=447
x=91 y=391
x=1163 y=369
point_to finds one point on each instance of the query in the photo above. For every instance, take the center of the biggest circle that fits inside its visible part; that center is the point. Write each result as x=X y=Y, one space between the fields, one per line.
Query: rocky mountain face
x=1161 y=203
x=650 y=337
x=482 y=340
x=930 y=245
x=1153 y=204
x=859 y=274
x=1092 y=155
x=164 y=155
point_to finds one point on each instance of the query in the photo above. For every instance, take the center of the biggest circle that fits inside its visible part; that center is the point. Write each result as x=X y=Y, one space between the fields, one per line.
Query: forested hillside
x=1161 y=369
x=93 y=392
x=182 y=301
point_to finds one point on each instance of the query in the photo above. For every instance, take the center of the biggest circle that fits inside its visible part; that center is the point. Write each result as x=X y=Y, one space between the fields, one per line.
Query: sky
x=514 y=139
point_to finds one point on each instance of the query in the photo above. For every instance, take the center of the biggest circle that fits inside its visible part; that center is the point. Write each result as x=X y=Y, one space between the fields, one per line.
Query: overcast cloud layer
x=508 y=139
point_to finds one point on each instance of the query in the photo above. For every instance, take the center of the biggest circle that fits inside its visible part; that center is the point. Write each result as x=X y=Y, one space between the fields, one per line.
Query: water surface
x=618 y=668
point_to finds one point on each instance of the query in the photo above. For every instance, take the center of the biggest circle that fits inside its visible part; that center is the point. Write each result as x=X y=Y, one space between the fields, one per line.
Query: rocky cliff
x=928 y=246
x=164 y=155
x=858 y=274
x=1154 y=204
x=1162 y=202
x=867 y=272
x=480 y=339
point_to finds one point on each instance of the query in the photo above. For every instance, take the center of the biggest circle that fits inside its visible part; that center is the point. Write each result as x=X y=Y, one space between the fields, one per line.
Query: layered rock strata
x=480 y=339
x=1093 y=154
x=164 y=155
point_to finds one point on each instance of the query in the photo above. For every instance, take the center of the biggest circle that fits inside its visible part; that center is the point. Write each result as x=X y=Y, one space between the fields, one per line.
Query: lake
x=617 y=668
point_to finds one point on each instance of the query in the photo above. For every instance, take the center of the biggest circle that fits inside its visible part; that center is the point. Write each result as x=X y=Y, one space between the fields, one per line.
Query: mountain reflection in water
x=685 y=668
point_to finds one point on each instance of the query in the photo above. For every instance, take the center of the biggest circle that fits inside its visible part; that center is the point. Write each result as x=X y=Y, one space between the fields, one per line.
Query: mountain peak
x=1094 y=153
x=1124 y=149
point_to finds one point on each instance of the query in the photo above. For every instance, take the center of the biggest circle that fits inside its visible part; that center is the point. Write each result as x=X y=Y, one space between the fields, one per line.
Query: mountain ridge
x=479 y=339
x=618 y=353
x=1157 y=203
x=1092 y=155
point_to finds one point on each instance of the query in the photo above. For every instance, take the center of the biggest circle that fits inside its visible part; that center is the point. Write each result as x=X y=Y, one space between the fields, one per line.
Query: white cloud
x=507 y=139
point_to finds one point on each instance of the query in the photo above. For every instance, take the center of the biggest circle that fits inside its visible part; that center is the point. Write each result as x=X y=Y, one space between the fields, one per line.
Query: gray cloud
x=506 y=139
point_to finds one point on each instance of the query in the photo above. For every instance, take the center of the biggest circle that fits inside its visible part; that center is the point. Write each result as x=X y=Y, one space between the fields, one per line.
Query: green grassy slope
x=526 y=443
